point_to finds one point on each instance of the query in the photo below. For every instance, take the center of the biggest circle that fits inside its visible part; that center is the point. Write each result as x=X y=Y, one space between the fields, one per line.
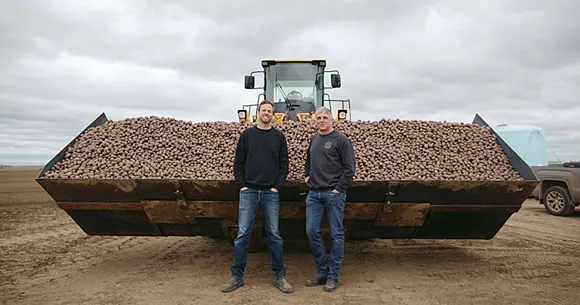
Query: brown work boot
x=316 y=281
x=331 y=285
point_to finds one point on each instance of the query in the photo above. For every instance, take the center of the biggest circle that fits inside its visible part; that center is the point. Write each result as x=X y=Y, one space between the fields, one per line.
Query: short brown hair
x=266 y=102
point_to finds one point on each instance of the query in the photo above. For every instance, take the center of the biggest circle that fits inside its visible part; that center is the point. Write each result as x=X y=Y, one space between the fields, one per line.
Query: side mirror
x=249 y=81
x=335 y=80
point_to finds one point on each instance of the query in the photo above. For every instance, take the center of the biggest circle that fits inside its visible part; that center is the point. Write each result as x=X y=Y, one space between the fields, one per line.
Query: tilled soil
x=46 y=258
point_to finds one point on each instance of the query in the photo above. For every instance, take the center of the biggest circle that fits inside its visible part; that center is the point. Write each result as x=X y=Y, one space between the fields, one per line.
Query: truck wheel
x=557 y=201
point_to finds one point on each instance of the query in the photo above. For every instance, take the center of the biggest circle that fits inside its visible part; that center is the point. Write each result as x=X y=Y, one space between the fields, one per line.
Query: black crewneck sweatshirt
x=261 y=159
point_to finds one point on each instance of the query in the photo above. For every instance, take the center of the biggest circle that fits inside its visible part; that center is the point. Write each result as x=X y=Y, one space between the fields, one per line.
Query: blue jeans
x=317 y=205
x=270 y=204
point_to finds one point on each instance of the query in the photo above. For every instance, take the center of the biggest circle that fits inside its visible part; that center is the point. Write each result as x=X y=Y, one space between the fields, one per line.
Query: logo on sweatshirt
x=328 y=145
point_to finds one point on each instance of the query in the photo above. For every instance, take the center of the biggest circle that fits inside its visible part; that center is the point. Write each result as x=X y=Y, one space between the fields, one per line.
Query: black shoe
x=331 y=285
x=316 y=281
x=233 y=284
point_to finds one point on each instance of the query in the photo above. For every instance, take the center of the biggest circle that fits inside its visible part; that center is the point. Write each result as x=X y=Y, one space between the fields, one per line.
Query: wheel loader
x=392 y=209
x=296 y=87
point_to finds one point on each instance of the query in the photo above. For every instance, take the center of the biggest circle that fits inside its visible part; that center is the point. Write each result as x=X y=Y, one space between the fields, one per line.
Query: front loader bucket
x=374 y=209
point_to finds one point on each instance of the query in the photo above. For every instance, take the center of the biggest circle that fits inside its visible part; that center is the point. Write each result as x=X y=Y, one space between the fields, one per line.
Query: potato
x=164 y=148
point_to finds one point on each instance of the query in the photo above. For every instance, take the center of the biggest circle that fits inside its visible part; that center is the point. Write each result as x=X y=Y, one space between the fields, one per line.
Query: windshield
x=294 y=81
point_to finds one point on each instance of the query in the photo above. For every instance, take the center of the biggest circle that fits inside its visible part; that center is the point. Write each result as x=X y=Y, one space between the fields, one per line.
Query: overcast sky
x=62 y=63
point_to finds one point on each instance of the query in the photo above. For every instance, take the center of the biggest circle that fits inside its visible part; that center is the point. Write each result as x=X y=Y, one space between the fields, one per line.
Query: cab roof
x=266 y=62
x=295 y=60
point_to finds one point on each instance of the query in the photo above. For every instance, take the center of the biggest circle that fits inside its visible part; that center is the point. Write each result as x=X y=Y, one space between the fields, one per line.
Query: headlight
x=241 y=114
x=342 y=114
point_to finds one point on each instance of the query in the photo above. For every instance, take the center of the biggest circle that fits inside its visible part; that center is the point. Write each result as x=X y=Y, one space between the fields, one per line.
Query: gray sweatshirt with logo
x=330 y=162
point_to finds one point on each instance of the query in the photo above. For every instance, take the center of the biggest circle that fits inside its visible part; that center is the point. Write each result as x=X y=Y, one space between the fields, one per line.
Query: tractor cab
x=296 y=87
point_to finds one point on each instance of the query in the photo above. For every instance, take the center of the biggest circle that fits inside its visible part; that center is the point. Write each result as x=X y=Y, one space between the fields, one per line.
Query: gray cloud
x=62 y=63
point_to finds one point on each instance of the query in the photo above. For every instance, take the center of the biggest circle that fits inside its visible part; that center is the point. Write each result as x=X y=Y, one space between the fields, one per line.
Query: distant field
x=17 y=187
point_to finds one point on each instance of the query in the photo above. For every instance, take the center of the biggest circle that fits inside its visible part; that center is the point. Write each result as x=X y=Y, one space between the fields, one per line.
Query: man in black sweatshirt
x=260 y=170
x=330 y=167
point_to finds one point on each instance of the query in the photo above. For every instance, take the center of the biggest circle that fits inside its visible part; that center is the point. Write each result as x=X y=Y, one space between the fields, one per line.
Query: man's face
x=266 y=113
x=323 y=121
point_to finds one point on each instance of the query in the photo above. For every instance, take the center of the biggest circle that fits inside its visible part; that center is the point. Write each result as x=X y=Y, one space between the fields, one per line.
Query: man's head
x=323 y=120
x=266 y=111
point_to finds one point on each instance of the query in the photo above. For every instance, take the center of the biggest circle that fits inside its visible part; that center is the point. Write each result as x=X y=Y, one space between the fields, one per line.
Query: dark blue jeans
x=270 y=204
x=331 y=204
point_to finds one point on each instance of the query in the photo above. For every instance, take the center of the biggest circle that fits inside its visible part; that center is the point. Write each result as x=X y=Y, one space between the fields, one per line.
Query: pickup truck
x=559 y=188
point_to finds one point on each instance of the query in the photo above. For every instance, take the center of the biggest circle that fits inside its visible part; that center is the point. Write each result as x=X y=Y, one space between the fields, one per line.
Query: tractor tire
x=557 y=201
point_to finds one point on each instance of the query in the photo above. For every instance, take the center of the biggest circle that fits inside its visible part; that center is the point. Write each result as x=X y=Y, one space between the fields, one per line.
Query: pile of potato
x=156 y=147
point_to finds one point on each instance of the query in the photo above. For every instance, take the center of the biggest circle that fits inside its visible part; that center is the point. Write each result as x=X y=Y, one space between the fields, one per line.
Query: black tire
x=557 y=201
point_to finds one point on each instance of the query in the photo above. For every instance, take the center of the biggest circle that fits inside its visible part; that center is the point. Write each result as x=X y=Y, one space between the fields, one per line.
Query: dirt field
x=45 y=258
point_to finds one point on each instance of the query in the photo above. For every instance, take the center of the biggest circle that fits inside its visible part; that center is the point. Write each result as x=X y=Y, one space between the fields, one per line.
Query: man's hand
x=274 y=190
x=306 y=179
x=335 y=191
x=243 y=188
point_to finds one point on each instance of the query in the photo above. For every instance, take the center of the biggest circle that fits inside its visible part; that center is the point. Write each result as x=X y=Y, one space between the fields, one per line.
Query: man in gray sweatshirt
x=330 y=167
